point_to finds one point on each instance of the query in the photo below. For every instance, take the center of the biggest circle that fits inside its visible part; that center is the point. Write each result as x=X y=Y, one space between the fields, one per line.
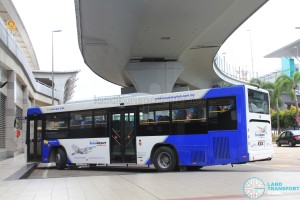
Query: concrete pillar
x=10 y=132
x=154 y=77
x=26 y=105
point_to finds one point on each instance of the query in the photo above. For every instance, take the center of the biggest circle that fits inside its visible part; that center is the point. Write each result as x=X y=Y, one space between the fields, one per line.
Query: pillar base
x=154 y=77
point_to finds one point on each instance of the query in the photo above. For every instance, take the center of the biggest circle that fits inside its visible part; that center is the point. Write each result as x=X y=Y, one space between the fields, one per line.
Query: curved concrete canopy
x=290 y=50
x=9 y=12
x=113 y=32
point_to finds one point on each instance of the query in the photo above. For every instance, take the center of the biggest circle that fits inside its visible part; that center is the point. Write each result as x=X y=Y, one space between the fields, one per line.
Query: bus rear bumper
x=261 y=155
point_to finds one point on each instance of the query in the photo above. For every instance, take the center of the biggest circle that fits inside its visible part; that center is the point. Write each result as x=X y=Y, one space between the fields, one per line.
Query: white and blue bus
x=189 y=129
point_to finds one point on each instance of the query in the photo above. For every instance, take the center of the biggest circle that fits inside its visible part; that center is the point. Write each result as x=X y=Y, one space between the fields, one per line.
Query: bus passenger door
x=33 y=139
x=122 y=136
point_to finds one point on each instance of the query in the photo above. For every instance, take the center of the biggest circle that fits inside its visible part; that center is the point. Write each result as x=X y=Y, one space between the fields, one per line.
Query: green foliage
x=274 y=137
x=289 y=85
x=282 y=84
x=274 y=118
x=287 y=118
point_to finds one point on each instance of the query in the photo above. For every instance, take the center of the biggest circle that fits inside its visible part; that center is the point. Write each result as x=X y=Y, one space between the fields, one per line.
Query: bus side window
x=56 y=126
x=81 y=124
x=225 y=118
x=189 y=117
x=154 y=120
x=100 y=121
x=180 y=114
x=81 y=120
x=198 y=113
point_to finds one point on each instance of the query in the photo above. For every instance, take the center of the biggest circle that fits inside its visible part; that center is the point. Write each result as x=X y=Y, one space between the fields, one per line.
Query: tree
x=276 y=116
x=277 y=92
x=289 y=117
x=289 y=85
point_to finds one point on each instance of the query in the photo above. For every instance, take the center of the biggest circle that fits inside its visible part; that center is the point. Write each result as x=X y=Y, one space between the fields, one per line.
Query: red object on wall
x=18 y=133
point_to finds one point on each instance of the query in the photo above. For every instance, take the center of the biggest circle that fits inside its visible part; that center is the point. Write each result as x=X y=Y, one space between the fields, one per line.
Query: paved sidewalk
x=198 y=185
x=11 y=165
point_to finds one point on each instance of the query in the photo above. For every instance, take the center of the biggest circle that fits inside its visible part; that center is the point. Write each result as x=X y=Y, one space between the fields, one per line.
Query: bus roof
x=131 y=100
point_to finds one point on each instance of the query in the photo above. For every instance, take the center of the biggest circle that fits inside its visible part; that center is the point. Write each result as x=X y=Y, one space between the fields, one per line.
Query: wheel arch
x=53 y=152
x=158 y=145
x=292 y=141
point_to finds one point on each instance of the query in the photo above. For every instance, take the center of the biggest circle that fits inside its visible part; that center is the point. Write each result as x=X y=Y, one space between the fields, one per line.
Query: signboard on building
x=11 y=24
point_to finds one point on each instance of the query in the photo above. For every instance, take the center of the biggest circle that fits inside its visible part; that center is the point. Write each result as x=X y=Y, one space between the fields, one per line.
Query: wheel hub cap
x=164 y=160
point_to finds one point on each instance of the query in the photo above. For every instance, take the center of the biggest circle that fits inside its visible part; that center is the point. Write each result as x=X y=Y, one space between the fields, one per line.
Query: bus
x=191 y=129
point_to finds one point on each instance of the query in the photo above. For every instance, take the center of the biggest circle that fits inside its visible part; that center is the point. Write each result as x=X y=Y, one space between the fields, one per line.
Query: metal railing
x=244 y=76
x=235 y=72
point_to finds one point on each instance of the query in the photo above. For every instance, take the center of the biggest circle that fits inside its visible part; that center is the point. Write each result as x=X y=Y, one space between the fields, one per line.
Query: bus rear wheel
x=165 y=159
x=60 y=159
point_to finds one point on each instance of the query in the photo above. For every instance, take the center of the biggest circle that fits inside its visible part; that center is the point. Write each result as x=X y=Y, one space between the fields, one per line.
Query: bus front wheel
x=60 y=159
x=164 y=159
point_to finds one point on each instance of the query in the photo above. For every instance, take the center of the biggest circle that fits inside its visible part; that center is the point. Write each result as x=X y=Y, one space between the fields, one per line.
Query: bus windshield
x=258 y=102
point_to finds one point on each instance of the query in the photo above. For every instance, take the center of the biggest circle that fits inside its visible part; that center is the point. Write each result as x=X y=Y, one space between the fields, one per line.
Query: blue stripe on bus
x=226 y=91
x=216 y=147
x=46 y=147
x=241 y=132
x=34 y=111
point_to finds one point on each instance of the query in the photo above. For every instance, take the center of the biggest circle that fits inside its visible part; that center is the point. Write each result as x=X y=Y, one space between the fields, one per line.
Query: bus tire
x=165 y=159
x=60 y=159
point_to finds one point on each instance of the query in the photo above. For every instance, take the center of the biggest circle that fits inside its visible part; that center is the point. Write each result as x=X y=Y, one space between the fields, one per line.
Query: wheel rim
x=164 y=160
x=57 y=158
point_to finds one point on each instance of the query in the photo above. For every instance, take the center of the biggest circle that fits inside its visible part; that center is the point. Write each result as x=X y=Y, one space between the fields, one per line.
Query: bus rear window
x=258 y=102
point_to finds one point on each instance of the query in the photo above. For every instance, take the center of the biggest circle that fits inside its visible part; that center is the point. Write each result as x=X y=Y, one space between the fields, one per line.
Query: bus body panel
x=218 y=147
x=238 y=137
x=144 y=146
x=81 y=151
x=251 y=139
x=259 y=137
x=259 y=134
x=205 y=149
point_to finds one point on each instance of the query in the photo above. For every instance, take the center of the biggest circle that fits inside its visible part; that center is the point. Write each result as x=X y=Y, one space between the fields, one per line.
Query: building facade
x=17 y=60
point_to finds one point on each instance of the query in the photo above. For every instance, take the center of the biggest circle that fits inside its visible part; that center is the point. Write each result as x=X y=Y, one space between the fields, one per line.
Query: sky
x=271 y=27
x=40 y=17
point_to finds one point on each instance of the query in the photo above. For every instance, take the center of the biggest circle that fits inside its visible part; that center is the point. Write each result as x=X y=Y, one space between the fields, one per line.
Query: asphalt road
x=286 y=159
